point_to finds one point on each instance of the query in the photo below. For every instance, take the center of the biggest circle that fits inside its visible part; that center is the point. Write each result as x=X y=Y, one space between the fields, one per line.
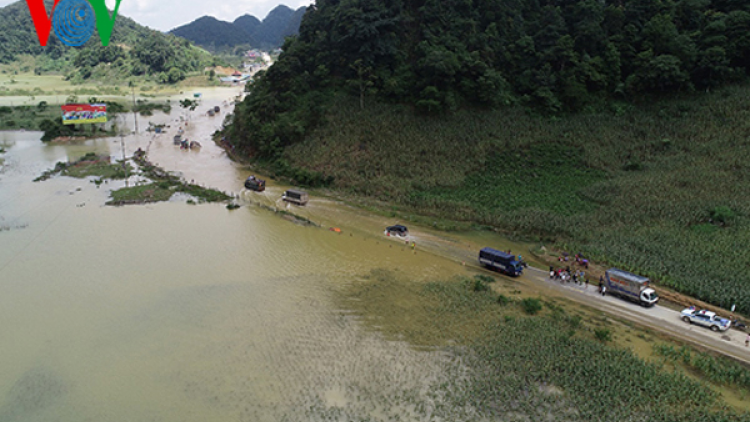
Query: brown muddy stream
x=178 y=312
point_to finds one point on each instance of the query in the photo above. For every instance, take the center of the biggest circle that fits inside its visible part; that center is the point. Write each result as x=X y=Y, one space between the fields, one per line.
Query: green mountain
x=292 y=28
x=615 y=128
x=134 y=50
x=214 y=34
x=272 y=30
x=249 y=23
x=246 y=30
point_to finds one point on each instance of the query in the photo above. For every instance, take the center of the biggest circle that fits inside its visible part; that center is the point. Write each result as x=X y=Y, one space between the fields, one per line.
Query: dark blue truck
x=500 y=261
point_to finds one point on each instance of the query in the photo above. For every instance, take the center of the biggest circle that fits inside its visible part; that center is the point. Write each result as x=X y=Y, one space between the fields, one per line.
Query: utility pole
x=135 y=114
x=122 y=146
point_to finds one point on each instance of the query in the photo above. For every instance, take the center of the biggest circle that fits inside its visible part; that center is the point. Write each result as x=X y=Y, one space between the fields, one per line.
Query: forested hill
x=246 y=30
x=439 y=55
x=214 y=34
x=134 y=50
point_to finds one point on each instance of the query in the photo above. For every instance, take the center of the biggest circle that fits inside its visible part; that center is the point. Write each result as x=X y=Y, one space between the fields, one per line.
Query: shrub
x=531 y=305
x=603 y=334
x=503 y=300
x=722 y=214
x=479 y=286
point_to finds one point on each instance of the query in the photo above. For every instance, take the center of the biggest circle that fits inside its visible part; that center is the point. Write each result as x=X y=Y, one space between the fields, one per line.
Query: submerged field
x=657 y=187
x=528 y=359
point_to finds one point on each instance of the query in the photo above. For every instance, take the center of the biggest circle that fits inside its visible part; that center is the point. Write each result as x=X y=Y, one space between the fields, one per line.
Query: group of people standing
x=566 y=275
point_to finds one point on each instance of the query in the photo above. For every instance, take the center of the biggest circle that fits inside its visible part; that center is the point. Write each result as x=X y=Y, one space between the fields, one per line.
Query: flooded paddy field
x=177 y=312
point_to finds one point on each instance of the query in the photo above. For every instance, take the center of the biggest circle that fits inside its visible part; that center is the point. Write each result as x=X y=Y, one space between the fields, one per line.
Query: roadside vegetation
x=527 y=365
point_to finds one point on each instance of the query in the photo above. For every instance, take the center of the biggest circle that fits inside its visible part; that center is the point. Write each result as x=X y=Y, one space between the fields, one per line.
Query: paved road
x=659 y=318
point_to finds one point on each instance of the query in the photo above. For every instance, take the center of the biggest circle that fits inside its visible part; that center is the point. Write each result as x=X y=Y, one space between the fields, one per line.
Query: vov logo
x=73 y=20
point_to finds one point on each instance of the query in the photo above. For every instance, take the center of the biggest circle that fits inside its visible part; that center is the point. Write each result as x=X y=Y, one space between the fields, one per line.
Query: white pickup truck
x=705 y=318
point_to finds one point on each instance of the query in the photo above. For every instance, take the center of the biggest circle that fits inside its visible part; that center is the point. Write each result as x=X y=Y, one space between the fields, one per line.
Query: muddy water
x=177 y=312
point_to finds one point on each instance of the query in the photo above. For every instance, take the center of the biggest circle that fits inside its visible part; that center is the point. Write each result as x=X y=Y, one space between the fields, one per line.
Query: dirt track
x=659 y=318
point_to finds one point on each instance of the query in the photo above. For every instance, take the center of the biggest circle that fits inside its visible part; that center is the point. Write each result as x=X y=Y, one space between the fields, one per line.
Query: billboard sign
x=74 y=114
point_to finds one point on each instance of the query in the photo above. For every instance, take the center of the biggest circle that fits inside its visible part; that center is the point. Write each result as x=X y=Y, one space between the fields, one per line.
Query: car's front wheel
x=686 y=319
x=714 y=328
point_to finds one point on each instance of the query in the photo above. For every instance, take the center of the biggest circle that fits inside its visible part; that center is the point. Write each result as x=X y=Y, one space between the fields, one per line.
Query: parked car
x=705 y=318
x=397 y=230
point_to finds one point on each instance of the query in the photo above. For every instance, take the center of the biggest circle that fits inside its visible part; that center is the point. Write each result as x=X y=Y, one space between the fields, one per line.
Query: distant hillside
x=294 y=22
x=214 y=34
x=249 y=23
x=270 y=33
x=134 y=50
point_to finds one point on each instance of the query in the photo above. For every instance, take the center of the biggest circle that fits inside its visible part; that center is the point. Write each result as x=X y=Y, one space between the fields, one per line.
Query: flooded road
x=177 y=312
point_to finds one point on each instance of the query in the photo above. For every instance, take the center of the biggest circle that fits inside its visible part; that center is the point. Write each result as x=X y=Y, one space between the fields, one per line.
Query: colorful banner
x=73 y=114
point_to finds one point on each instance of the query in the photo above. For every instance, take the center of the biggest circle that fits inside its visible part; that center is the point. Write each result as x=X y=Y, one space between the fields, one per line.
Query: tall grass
x=636 y=186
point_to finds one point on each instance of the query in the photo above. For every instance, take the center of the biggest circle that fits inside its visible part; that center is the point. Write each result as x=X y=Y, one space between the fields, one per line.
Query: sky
x=164 y=15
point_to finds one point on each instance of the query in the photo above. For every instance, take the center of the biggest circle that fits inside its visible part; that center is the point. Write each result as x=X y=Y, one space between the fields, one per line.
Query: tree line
x=439 y=55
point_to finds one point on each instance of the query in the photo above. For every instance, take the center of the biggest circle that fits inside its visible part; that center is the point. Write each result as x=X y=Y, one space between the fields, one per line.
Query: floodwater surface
x=178 y=312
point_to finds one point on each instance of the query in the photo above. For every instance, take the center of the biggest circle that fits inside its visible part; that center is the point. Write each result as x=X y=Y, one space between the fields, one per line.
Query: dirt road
x=659 y=318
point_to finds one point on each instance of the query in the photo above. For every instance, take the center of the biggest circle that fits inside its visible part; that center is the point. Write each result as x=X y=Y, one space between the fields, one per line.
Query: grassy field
x=15 y=83
x=529 y=359
x=660 y=188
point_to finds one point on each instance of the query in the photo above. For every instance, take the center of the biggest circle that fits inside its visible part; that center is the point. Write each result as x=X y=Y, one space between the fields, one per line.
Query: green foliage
x=189 y=104
x=531 y=305
x=478 y=285
x=133 y=50
x=503 y=300
x=722 y=214
x=716 y=369
x=603 y=334
x=537 y=356
x=146 y=108
x=646 y=221
x=54 y=128
x=516 y=178
x=438 y=58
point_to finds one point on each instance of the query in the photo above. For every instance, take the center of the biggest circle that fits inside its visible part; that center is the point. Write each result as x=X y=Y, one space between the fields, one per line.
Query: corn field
x=634 y=186
x=519 y=367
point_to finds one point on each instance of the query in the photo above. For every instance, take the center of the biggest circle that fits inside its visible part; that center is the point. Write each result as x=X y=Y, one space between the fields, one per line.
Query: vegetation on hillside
x=440 y=56
x=134 y=51
x=440 y=108
x=214 y=34
x=659 y=188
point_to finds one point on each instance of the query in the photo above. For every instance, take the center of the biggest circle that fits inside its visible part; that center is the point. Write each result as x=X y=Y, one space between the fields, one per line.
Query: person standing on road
x=747 y=340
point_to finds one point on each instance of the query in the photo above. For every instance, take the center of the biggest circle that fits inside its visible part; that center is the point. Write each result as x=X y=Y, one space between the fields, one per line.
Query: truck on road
x=500 y=261
x=630 y=286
